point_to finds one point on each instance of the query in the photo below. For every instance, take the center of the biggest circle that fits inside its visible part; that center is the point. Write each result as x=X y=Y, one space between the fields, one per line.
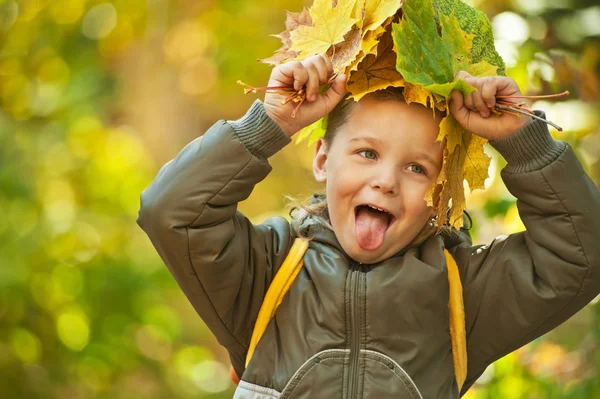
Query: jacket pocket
x=385 y=378
x=246 y=390
x=318 y=377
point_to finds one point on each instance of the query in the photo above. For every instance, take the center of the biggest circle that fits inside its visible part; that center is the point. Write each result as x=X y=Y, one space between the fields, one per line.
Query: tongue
x=370 y=228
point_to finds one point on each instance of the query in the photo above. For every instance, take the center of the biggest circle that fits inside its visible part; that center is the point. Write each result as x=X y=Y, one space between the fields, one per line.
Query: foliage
x=411 y=53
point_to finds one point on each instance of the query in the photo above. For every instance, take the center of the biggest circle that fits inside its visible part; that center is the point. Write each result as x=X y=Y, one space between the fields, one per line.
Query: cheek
x=416 y=201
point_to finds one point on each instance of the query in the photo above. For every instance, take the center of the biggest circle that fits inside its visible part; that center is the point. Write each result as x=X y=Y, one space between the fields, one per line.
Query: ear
x=320 y=161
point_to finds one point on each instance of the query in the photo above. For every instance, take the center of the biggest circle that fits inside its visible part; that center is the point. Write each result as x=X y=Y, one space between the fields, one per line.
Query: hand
x=473 y=113
x=312 y=72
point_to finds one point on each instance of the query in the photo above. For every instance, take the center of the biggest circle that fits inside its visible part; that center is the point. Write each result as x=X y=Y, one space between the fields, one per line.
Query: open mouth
x=375 y=212
x=371 y=223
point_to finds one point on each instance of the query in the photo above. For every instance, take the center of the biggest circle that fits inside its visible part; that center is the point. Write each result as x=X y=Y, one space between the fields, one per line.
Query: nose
x=385 y=181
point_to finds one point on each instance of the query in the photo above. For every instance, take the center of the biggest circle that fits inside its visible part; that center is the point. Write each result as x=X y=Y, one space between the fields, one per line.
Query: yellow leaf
x=358 y=12
x=477 y=163
x=377 y=11
x=482 y=68
x=467 y=162
x=453 y=188
x=451 y=131
x=330 y=24
x=344 y=53
x=293 y=21
x=368 y=46
x=354 y=64
x=417 y=94
x=376 y=72
x=370 y=40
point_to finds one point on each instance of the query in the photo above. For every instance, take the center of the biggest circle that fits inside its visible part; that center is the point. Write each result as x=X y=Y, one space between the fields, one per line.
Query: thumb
x=457 y=107
x=336 y=92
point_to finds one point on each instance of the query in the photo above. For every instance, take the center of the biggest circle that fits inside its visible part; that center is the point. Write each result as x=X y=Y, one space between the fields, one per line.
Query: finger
x=488 y=92
x=321 y=66
x=312 y=86
x=328 y=64
x=293 y=73
x=476 y=99
x=480 y=105
x=335 y=93
x=458 y=107
x=507 y=87
x=469 y=103
x=462 y=75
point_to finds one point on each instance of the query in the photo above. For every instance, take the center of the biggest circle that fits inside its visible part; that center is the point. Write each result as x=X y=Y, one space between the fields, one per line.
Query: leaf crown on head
x=419 y=45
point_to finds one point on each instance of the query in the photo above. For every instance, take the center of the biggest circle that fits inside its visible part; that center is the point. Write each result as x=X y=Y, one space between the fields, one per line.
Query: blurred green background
x=96 y=95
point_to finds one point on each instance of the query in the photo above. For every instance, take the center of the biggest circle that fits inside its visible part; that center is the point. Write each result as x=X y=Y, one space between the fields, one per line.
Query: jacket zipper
x=355 y=333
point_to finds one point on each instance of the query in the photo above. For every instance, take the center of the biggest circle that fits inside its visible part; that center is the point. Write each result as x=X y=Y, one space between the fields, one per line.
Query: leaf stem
x=564 y=93
x=520 y=111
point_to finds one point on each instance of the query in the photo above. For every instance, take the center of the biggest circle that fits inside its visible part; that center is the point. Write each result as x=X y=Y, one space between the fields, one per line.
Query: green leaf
x=313 y=132
x=432 y=60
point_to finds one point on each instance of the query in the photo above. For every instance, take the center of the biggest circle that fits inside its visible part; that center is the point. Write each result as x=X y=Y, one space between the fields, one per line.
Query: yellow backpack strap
x=457 y=321
x=279 y=287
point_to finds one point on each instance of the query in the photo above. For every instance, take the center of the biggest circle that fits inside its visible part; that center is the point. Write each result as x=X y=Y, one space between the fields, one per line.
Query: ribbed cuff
x=530 y=148
x=260 y=134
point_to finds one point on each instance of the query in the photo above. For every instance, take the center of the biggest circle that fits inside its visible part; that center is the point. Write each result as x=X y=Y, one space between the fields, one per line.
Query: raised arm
x=521 y=286
x=220 y=260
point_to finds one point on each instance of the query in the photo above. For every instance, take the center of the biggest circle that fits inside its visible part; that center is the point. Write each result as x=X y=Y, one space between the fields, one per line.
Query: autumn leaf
x=477 y=162
x=448 y=189
x=313 y=132
x=452 y=132
x=292 y=22
x=369 y=45
x=376 y=72
x=376 y=12
x=464 y=159
x=344 y=53
x=416 y=94
x=422 y=53
x=330 y=24
x=430 y=60
x=371 y=40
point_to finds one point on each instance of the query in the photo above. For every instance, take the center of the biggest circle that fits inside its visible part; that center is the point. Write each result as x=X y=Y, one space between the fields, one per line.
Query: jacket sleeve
x=222 y=262
x=523 y=285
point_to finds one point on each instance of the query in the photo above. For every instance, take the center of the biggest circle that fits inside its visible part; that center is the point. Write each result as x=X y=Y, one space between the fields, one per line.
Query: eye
x=369 y=154
x=417 y=169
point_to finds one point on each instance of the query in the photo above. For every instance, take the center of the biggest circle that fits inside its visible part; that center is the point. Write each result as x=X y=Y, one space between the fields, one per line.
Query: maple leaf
x=416 y=93
x=464 y=159
x=422 y=53
x=313 y=132
x=292 y=22
x=330 y=24
x=473 y=21
x=373 y=13
x=369 y=45
x=344 y=53
x=476 y=163
x=430 y=60
x=448 y=189
x=376 y=72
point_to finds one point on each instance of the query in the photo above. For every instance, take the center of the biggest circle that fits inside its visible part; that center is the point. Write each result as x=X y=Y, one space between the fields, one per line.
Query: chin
x=367 y=257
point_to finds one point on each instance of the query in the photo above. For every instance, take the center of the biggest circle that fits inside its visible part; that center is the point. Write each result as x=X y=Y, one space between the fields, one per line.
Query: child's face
x=385 y=156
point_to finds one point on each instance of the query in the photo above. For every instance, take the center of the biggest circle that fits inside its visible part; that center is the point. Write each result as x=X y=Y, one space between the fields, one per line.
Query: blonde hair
x=317 y=208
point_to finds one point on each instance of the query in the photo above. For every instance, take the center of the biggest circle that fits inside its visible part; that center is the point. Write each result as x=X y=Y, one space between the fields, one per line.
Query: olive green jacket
x=349 y=330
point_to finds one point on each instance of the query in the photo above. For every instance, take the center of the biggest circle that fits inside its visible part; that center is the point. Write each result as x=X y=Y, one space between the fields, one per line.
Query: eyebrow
x=372 y=140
